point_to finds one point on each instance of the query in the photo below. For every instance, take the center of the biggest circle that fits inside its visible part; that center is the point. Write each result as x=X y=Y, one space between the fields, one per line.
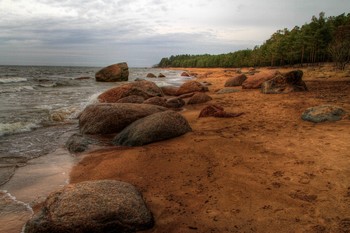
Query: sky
x=141 y=32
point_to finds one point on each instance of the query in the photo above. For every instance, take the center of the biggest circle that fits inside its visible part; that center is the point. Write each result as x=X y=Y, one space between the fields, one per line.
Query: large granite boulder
x=175 y=102
x=135 y=99
x=157 y=100
x=156 y=127
x=113 y=117
x=255 y=81
x=235 y=81
x=93 y=206
x=285 y=83
x=191 y=86
x=170 y=90
x=113 y=73
x=323 y=113
x=199 y=98
x=143 y=88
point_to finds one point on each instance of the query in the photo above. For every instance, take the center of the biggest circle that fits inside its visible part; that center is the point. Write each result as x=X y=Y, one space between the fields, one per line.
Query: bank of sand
x=264 y=171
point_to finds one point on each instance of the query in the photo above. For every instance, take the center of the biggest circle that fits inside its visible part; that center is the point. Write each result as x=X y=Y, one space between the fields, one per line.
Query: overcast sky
x=141 y=32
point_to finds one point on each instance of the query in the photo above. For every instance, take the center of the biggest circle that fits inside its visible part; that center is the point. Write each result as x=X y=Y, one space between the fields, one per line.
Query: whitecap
x=17 y=127
x=13 y=80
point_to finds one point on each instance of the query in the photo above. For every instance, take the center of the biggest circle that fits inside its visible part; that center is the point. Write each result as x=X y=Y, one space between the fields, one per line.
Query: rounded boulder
x=113 y=73
x=93 y=206
x=113 y=117
x=156 y=127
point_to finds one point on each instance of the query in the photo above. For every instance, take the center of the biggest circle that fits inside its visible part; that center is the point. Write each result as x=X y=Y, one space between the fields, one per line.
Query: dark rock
x=175 y=103
x=135 y=99
x=139 y=79
x=289 y=82
x=113 y=73
x=323 y=113
x=156 y=127
x=185 y=74
x=82 y=78
x=199 y=98
x=170 y=90
x=146 y=89
x=191 y=86
x=161 y=75
x=227 y=91
x=160 y=101
x=112 y=118
x=77 y=143
x=93 y=206
x=235 y=81
x=217 y=111
x=255 y=81
x=151 y=75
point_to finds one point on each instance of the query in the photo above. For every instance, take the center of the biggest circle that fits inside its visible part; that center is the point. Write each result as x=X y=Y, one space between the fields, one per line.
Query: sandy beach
x=264 y=171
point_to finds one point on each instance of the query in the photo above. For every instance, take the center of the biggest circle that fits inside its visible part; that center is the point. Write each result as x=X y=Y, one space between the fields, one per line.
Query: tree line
x=324 y=39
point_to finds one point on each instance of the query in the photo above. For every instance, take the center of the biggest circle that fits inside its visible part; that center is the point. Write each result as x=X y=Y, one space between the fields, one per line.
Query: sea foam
x=17 y=127
x=13 y=80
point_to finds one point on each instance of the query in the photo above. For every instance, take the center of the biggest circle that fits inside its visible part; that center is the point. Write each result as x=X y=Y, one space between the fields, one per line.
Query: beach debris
x=199 y=98
x=235 y=81
x=323 y=113
x=156 y=127
x=113 y=73
x=93 y=206
x=107 y=118
x=285 y=83
x=146 y=89
x=217 y=111
x=255 y=81
x=191 y=86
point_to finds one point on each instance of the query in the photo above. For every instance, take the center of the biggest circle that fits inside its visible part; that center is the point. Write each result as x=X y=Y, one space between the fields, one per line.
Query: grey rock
x=77 y=143
x=156 y=127
x=323 y=113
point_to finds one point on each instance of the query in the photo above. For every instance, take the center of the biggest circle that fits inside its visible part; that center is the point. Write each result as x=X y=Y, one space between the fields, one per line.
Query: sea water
x=38 y=112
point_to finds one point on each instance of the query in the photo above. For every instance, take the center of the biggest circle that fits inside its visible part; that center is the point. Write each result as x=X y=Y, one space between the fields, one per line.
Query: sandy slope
x=264 y=171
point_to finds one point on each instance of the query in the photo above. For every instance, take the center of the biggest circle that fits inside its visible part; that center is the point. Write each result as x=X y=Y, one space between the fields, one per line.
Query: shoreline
x=264 y=171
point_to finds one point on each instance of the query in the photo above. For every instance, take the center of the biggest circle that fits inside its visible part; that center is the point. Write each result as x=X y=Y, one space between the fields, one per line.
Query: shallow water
x=38 y=110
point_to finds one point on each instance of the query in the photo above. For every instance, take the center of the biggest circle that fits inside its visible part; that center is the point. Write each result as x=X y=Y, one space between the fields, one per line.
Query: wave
x=12 y=80
x=17 y=127
x=17 y=89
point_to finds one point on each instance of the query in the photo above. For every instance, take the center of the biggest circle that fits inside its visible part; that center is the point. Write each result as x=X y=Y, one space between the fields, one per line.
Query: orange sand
x=264 y=171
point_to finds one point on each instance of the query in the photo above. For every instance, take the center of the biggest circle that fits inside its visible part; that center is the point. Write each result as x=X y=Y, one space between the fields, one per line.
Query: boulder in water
x=113 y=73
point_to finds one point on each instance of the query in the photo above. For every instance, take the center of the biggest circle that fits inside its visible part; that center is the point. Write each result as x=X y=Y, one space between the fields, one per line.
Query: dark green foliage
x=312 y=43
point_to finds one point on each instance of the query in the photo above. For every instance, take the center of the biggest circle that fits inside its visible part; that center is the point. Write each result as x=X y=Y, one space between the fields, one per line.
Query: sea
x=39 y=106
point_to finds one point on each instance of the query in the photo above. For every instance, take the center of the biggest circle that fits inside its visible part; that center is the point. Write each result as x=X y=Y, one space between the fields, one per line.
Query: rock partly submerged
x=156 y=127
x=113 y=73
x=145 y=89
x=323 y=113
x=108 y=118
x=93 y=206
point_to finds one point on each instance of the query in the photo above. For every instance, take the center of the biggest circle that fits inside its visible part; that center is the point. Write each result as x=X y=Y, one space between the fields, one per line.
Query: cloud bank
x=102 y=32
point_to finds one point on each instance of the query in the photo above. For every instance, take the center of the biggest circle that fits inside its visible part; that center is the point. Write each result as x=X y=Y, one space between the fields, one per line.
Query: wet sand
x=264 y=171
